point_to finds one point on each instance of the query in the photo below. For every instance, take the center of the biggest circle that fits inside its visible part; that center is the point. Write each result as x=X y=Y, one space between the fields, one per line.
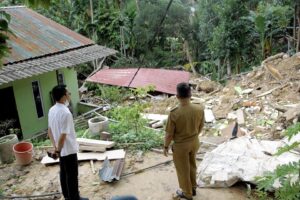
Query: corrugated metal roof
x=118 y=77
x=164 y=80
x=110 y=173
x=49 y=63
x=36 y=35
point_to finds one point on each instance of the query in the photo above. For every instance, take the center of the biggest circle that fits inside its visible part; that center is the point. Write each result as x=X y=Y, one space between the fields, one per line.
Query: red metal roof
x=36 y=35
x=164 y=80
x=118 y=77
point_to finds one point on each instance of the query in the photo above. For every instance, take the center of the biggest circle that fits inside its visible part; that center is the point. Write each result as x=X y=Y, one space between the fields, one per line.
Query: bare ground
x=158 y=183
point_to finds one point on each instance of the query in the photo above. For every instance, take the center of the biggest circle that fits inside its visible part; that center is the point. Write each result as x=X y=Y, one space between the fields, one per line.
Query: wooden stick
x=161 y=151
x=29 y=196
x=209 y=143
x=214 y=92
x=142 y=170
x=270 y=91
x=92 y=166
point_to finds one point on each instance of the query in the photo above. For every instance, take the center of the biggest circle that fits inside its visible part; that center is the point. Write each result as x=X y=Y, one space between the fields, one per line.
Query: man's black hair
x=183 y=90
x=58 y=92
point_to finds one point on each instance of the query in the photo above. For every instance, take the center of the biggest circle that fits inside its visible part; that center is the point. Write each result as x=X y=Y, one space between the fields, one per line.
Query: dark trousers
x=69 y=177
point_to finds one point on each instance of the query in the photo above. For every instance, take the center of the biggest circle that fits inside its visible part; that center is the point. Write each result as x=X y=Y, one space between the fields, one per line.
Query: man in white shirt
x=62 y=134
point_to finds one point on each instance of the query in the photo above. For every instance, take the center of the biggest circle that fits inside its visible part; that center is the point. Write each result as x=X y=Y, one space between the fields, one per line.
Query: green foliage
x=261 y=195
x=112 y=94
x=144 y=140
x=270 y=22
x=41 y=142
x=288 y=175
x=129 y=118
x=85 y=134
x=292 y=130
x=142 y=91
x=222 y=34
x=287 y=148
x=38 y=3
x=4 y=29
x=6 y=126
x=170 y=34
x=130 y=127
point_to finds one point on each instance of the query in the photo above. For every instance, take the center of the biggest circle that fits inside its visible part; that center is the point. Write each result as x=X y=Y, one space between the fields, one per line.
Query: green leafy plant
x=142 y=91
x=4 y=21
x=129 y=118
x=41 y=142
x=5 y=126
x=288 y=175
x=270 y=22
x=130 y=127
x=112 y=94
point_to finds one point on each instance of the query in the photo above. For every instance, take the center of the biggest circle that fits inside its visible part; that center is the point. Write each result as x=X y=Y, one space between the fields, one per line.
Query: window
x=60 y=78
x=38 y=99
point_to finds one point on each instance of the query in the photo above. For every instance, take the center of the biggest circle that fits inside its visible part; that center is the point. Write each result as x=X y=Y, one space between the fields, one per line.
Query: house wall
x=30 y=123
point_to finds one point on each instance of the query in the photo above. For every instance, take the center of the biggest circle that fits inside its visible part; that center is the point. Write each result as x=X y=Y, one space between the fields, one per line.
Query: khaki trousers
x=184 y=157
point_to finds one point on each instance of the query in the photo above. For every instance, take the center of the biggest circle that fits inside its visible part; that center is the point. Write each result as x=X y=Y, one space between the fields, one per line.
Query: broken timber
x=95 y=143
x=270 y=91
x=92 y=148
x=112 y=155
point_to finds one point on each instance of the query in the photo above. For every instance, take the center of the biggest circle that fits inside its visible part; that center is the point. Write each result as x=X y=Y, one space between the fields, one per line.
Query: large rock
x=241 y=159
x=206 y=86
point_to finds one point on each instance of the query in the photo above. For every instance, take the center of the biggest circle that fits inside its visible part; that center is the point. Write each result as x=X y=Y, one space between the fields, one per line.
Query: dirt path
x=154 y=184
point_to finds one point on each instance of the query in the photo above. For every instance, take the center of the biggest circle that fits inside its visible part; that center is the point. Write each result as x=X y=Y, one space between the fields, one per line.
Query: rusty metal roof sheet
x=28 y=68
x=164 y=80
x=110 y=173
x=36 y=35
x=118 y=77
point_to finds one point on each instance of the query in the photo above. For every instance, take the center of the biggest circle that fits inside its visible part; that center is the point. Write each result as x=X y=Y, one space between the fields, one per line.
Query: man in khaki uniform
x=184 y=124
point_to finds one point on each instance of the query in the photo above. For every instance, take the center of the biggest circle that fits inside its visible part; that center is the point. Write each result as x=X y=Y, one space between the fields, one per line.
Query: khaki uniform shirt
x=185 y=122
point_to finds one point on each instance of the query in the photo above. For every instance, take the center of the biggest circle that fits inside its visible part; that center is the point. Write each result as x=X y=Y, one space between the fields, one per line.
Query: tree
x=270 y=21
x=4 y=22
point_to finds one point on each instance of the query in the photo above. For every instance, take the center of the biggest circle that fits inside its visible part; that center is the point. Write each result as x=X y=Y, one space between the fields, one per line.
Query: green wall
x=30 y=123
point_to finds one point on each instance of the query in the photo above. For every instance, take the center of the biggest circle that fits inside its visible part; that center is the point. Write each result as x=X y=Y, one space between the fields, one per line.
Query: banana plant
x=269 y=21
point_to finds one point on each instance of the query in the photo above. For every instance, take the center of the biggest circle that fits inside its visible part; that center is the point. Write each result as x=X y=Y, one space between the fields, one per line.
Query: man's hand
x=54 y=154
x=166 y=151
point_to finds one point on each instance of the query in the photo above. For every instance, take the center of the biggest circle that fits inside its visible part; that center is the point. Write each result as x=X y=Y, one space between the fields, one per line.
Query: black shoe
x=194 y=191
x=181 y=195
x=82 y=198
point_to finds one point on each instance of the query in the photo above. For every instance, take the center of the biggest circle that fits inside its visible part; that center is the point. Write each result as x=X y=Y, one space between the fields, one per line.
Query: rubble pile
x=263 y=101
x=91 y=98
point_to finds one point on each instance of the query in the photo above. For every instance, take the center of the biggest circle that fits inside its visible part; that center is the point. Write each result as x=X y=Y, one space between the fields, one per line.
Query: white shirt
x=60 y=120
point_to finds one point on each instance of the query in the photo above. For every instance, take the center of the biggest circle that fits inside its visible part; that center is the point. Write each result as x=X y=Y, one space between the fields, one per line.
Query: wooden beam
x=91 y=142
x=92 y=148
x=111 y=155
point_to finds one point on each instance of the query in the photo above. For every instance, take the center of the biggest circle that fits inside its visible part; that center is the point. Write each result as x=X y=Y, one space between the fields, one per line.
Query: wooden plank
x=154 y=116
x=240 y=116
x=92 y=148
x=91 y=142
x=92 y=166
x=111 y=155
